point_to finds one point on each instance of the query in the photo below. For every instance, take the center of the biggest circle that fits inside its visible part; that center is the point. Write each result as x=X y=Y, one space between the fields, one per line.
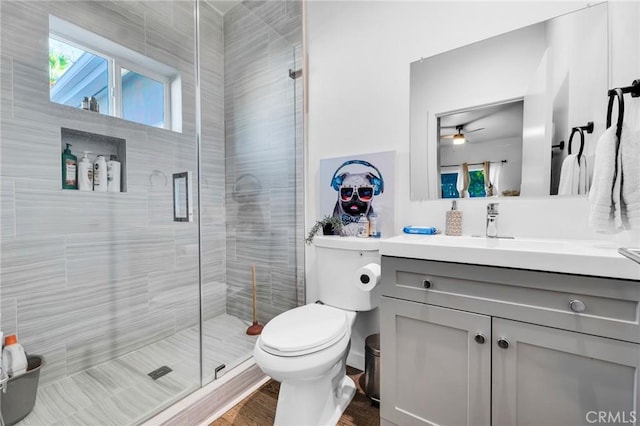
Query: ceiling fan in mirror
x=459 y=137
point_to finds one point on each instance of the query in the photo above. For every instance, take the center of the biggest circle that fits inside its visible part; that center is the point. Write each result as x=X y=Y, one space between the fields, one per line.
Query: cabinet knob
x=426 y=283
x=503 y=343
x=577 y=305
x=479 y=338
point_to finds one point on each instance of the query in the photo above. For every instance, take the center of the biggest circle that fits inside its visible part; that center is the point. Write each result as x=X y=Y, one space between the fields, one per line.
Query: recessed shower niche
x=96 y=144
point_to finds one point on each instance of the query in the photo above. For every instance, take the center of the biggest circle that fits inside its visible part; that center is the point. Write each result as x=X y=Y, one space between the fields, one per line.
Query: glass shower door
x=260 y=226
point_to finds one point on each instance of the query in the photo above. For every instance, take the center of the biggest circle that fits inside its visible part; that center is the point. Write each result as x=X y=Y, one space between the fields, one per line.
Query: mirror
x=515 y=97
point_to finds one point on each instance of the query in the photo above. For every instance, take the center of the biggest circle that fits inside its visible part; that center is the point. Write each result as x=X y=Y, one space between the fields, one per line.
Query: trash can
x=372 y=368
x=20 y=397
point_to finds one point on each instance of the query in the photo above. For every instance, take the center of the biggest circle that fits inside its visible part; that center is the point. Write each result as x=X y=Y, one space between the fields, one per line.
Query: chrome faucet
x=492 y=220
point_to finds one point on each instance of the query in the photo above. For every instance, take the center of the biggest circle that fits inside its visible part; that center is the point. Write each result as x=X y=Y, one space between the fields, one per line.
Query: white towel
x=583 y=180
x=569 y=176
x=630 y=161
x=604 y=196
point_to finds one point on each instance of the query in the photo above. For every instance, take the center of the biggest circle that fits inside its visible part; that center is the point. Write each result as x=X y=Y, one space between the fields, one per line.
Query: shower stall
x=132 y=310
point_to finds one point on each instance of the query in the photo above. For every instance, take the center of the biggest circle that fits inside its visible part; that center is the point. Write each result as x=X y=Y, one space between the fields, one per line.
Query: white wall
x=358 y=70
x=577 y=45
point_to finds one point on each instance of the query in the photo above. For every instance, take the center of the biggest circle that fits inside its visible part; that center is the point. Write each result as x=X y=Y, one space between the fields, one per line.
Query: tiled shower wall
x=212 y=163
x=263 y=119
x=86 y=277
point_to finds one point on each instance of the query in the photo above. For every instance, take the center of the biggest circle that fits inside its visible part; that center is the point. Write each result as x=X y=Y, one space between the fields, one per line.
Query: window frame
x=95 y=44
x=87 y=49
x=120 y=64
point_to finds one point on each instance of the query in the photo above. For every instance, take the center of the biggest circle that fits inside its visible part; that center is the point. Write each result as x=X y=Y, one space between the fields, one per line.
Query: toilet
x=306 y=348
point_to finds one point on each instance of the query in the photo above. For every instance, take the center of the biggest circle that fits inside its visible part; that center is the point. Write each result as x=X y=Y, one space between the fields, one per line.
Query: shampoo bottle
x=14 y=360
x=100 y=174
x=85 y=173
x=69 y=165
x=113 y=174
x=363 y=226
x=454 y=221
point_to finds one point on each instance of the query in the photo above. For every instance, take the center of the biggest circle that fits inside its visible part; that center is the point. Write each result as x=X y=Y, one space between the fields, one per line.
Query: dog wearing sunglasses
x=354 y=198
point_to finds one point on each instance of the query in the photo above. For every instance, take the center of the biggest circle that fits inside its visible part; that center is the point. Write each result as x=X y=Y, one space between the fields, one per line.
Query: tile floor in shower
x=119 y=392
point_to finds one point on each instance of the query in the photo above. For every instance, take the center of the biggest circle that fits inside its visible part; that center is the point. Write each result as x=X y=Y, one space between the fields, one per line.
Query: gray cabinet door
x=545 y=376
x=433 y=371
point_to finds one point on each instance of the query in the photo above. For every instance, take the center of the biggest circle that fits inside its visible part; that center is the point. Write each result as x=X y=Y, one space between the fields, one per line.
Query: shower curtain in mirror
x=463 y=181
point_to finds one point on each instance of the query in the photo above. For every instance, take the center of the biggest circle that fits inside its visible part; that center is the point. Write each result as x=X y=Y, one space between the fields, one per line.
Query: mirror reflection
x=484 y=144
x=514 y=98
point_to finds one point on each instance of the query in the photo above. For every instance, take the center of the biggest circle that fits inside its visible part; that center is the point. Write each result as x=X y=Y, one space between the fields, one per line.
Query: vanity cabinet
x=546 y=376
x=435 y=366
x=477 y=345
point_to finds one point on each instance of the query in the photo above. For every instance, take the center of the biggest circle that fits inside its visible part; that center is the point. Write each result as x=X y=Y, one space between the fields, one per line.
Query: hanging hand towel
x=604 y=195
x=630 y=179
x=569 y=176
x=583 y=180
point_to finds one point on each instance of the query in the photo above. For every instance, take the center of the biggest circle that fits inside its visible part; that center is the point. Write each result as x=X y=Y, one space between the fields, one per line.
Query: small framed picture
x=182 y=197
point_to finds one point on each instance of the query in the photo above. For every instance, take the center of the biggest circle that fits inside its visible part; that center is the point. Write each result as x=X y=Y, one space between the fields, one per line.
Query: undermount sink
x=584 y=257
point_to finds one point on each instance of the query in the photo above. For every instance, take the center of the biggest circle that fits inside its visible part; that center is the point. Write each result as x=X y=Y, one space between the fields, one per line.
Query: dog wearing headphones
x=355 y=194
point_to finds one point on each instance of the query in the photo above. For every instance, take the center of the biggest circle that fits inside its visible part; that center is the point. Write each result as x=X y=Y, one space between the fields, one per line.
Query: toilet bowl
x=305 y=349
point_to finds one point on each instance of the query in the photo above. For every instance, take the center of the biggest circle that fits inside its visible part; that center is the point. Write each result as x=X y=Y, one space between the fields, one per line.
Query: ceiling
x=496 y=121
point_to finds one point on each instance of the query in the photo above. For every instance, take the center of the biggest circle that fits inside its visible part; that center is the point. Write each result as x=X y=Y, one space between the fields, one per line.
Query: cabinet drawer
x=593 y=305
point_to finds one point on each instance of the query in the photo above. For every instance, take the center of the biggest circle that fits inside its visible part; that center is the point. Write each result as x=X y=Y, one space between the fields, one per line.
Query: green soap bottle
x=69 y=169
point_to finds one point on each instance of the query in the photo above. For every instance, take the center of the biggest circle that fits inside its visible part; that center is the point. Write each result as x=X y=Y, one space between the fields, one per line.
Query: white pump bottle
x=100 y=178
x=85 y=173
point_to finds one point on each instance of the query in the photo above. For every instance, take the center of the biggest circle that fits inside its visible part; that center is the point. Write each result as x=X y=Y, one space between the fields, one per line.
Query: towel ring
x=580 y=129
x=616 y=93
x=573 y=132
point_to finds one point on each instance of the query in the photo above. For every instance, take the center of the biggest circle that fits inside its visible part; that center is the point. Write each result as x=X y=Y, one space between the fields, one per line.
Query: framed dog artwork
x=356 y=185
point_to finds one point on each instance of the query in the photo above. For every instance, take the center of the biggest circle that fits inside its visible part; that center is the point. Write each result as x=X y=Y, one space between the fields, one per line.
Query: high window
x=84 y=66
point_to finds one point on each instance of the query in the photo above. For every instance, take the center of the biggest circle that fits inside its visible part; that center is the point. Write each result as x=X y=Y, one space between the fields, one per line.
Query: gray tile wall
x=212 y=149
x=263 y=112
x=86 y=277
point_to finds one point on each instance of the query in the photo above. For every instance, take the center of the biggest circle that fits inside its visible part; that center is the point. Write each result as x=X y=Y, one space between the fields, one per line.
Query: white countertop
x=583 y=257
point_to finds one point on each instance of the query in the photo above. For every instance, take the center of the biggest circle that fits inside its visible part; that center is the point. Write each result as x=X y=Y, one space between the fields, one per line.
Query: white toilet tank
x=338 y=261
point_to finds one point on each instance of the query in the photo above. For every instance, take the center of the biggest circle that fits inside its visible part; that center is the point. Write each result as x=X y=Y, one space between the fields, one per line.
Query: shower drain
x=159 y=372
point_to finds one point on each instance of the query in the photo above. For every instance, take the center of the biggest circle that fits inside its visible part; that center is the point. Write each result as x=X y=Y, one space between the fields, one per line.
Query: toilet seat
x=304 y=330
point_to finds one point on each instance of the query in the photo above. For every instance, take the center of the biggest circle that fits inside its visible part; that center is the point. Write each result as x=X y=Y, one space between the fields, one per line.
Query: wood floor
x=259 y=408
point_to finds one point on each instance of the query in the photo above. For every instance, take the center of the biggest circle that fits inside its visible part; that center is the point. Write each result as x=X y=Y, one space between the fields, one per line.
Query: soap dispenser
x=454 y=221
x=363 y=226
x=85 y=173
x=69 y=165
